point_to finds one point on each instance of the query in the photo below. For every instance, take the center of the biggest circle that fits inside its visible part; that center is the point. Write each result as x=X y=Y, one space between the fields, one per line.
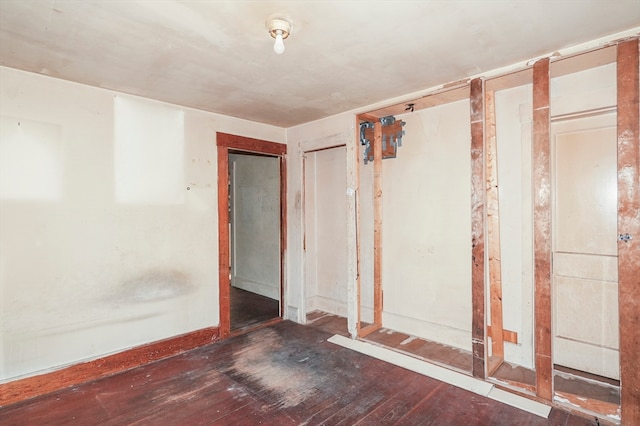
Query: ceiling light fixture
x=279 y=28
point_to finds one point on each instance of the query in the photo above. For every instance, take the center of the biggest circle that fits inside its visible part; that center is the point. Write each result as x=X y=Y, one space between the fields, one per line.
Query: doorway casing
x=225 y=143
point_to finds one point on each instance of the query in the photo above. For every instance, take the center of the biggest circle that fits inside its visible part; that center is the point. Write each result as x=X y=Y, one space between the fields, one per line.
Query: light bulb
x=278 y=46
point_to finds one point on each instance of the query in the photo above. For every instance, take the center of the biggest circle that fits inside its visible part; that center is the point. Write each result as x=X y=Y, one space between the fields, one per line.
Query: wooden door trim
x=225 y=143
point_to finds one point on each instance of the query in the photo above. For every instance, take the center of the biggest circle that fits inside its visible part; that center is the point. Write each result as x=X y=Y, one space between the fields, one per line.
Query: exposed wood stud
x=353 y=235
x=493 y=228
x=542 y=229
x=628 y=76
x=507 y=335
x=477 y=228
x=377 y=224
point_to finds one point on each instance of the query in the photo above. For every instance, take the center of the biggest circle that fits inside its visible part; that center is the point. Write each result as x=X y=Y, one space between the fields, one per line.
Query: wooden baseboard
x=30 y=387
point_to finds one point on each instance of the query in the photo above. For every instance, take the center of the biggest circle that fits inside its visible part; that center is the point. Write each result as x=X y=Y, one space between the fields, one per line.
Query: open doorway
x=585 y=262
x=254 y=219
x=325 y=231
x=251 y=226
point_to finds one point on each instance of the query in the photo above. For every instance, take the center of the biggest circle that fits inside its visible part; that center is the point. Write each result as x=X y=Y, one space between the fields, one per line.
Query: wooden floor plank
x=283 y=374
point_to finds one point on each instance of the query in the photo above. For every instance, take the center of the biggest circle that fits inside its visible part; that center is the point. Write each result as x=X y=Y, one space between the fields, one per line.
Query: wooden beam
x=507 y=335
x=377 y=224
x=365 y=331
x=353 y=233
x=542 y=229
x=30 y=387
x=243 y=143
x=453 y=92
x=368 y=117
x=477 y=228
x=493 y=228
x=582 y=61
x=597 y=406
x=629 y=223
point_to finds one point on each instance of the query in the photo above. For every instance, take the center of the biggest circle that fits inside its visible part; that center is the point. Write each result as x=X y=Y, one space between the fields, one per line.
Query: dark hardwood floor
x=248 y=309
x=282 y=374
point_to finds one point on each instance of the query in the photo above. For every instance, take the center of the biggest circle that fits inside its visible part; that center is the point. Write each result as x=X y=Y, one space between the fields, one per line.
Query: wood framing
x=507 y=335
x=493 y=233
x=542 y=229
x=451 y=92
x=30 y=387
x=377 y=233
x=628 y=76
x=476 y=99
x=225 y=143
x=353 y=233
x=377 y=223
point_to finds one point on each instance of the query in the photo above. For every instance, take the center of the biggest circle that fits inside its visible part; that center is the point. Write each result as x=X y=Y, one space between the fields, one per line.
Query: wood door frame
x=628 y=130
x=225 y=143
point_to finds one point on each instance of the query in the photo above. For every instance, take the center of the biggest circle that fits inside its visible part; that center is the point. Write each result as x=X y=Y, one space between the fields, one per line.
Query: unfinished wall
x=108 y=230
x=426 y=230
x=513 y=138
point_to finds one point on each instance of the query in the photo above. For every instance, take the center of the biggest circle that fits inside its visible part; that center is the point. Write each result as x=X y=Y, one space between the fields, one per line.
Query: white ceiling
x=343 y=54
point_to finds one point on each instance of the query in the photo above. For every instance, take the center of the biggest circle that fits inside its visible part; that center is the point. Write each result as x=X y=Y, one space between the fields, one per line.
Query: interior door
x=585 y=255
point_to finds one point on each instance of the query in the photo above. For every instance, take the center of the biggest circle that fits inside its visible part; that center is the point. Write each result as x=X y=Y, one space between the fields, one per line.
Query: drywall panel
x=513 y=138
x=426 y=227
x=82 y=274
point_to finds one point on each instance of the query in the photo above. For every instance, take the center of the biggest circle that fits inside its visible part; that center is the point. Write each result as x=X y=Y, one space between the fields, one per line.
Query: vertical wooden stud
x=628 y=78
x=224 y=262
x=542 y=229
x=377 y=224
x=477 y=228
x=493 y=235
x=353 y=236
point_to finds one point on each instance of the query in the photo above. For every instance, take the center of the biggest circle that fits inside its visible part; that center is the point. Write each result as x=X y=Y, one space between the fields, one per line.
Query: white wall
x=330 y=132
x=99 y=253
x=326 y=230
x=426 y=227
